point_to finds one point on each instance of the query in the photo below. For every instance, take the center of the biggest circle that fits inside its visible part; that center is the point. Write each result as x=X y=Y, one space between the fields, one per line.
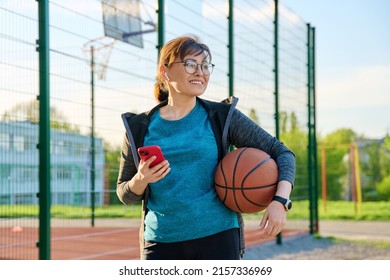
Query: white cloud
x=354 y=98
x=368 y=86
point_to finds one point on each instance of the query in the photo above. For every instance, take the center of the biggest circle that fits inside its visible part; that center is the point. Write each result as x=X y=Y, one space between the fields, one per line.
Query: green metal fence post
x=276 y=68
x=92 y=151
x=231 y=48
x=276 y=82
x=44 y=131
x=160 y=26
x=309 y=148
x=315 y=158
x=310 y=153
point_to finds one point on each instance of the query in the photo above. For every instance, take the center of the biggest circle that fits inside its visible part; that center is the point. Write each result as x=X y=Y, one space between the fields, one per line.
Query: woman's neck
x=177 y=108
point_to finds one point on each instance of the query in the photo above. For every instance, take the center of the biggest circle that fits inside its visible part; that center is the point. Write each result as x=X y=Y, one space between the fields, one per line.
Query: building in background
x=70 y=166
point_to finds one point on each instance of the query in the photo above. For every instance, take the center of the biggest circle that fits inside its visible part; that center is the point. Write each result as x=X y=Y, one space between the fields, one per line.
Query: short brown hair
x=178 y=47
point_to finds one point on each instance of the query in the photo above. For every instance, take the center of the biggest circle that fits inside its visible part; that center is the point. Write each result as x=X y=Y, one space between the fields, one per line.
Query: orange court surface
x=90 y=243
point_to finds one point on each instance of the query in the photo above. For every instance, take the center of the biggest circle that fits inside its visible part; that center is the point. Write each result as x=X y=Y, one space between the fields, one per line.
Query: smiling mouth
x=196 y=82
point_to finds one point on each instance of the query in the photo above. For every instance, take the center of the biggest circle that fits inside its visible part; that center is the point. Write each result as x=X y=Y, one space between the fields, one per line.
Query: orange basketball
x=246 y=180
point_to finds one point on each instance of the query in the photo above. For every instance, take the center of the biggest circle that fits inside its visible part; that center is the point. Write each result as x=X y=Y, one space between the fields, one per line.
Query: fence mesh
x=293 y=110
x=123 y=81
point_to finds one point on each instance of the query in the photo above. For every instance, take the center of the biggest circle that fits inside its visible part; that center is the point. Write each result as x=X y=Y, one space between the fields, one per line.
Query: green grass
x=340 y=210
x=71 y=212
x=369 y=243
x=343 y=210
x=335 y=210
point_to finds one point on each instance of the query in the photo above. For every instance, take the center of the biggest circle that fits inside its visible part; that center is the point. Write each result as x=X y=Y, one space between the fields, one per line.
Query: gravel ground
x=308 y=247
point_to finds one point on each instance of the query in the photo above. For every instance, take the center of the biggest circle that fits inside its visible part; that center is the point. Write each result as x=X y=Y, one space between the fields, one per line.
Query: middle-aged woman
x=183 y=218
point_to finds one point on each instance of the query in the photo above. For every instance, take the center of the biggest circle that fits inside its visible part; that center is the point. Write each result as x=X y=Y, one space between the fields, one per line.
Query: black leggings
x=220 y=246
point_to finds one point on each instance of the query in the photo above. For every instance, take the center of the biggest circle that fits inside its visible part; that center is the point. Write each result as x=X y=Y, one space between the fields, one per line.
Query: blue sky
x=352 y=63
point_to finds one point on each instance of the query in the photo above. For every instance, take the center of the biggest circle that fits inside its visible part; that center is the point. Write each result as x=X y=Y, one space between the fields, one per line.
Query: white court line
x=90 y=234
x=89 y=257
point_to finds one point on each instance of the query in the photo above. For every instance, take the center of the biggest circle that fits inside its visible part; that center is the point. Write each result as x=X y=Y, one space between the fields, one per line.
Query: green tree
x=295 y=138
x=253 y=115
x=385 y=157
x=337 y=145
x=371 y=168
x=112 y=157
x=29 y=111
x=283 y=122
x=383 y=187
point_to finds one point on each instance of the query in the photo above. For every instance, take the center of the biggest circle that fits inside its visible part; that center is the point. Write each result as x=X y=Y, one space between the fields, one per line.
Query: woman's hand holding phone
x=149 y=171
x=153 y=166
x=147 y=152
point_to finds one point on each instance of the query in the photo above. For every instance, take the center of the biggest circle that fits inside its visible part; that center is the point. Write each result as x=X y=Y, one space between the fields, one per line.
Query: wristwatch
x=287 y=203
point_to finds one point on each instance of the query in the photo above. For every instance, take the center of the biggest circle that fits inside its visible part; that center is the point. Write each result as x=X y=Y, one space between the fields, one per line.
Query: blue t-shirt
x=184 y=205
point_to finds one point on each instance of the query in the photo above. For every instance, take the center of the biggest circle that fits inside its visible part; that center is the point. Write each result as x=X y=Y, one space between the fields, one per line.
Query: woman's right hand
x=153 y=174
x=147 y=175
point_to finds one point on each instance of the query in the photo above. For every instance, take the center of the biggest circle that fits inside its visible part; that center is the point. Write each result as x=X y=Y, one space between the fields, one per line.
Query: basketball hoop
x=122 y=21
x=99 y=50
x=136 y=33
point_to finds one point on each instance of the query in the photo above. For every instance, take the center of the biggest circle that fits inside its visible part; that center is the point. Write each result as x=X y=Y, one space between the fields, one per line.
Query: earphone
x=166 y=76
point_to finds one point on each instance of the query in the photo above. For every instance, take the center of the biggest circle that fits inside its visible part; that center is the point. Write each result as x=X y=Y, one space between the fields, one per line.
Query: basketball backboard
x=122 y=21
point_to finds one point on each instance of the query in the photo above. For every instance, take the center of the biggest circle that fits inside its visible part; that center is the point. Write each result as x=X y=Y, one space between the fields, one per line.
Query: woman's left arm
x=274 y=218
x=246 y=133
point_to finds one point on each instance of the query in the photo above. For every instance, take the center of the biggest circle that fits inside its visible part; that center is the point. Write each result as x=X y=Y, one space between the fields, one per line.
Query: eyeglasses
x=191 y=67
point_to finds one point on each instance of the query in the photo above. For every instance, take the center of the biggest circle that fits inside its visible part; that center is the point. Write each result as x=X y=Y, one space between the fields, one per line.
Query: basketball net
x=100 y=49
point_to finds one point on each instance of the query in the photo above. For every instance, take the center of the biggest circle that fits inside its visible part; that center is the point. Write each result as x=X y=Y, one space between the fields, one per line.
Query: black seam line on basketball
x=248 y=200
x=254 y=168
x=234 y=174
x=243 y=193
x=246 y=176
x=251 y=188
x=250 y=172
x=254 y=203
x=224 y=178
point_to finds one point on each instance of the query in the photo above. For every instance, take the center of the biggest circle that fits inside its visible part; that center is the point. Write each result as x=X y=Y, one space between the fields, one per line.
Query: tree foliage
x=383 y=186
x=253 y=116
x=29 y=112
x=296 y=139
x=371 y=169
x=112 y=157
x=337 y=145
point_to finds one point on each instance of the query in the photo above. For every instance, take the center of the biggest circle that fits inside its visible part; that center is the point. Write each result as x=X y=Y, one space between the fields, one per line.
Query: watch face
x=289 y=205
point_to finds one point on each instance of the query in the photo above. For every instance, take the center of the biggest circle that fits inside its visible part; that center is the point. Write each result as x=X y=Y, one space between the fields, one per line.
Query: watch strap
x=280 y=199
x=284 y=201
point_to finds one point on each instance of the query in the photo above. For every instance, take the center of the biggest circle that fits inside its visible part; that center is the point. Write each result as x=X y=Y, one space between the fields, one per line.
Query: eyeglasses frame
x=184 y=62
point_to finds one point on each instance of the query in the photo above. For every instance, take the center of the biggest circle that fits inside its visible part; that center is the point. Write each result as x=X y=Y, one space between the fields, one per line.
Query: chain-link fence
x=93 y=79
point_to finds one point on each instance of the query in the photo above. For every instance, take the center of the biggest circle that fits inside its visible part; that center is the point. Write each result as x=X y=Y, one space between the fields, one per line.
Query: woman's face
x=180 y=79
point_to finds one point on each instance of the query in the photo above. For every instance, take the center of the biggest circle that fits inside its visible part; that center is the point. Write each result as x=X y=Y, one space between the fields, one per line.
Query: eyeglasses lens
x=192 y=67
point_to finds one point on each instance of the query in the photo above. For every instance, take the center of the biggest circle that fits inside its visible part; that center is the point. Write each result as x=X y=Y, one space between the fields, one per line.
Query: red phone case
x=148 y=151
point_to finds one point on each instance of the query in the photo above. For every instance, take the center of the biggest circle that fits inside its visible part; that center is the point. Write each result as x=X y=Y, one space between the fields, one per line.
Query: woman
x=183 y=218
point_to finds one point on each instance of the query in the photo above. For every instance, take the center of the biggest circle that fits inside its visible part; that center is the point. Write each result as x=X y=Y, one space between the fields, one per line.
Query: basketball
x=246 y=180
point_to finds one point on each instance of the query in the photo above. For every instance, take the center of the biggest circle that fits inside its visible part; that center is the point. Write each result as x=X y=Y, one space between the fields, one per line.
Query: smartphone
x=148 y=151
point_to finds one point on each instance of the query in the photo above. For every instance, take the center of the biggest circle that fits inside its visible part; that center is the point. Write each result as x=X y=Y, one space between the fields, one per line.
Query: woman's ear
x=163 y=72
